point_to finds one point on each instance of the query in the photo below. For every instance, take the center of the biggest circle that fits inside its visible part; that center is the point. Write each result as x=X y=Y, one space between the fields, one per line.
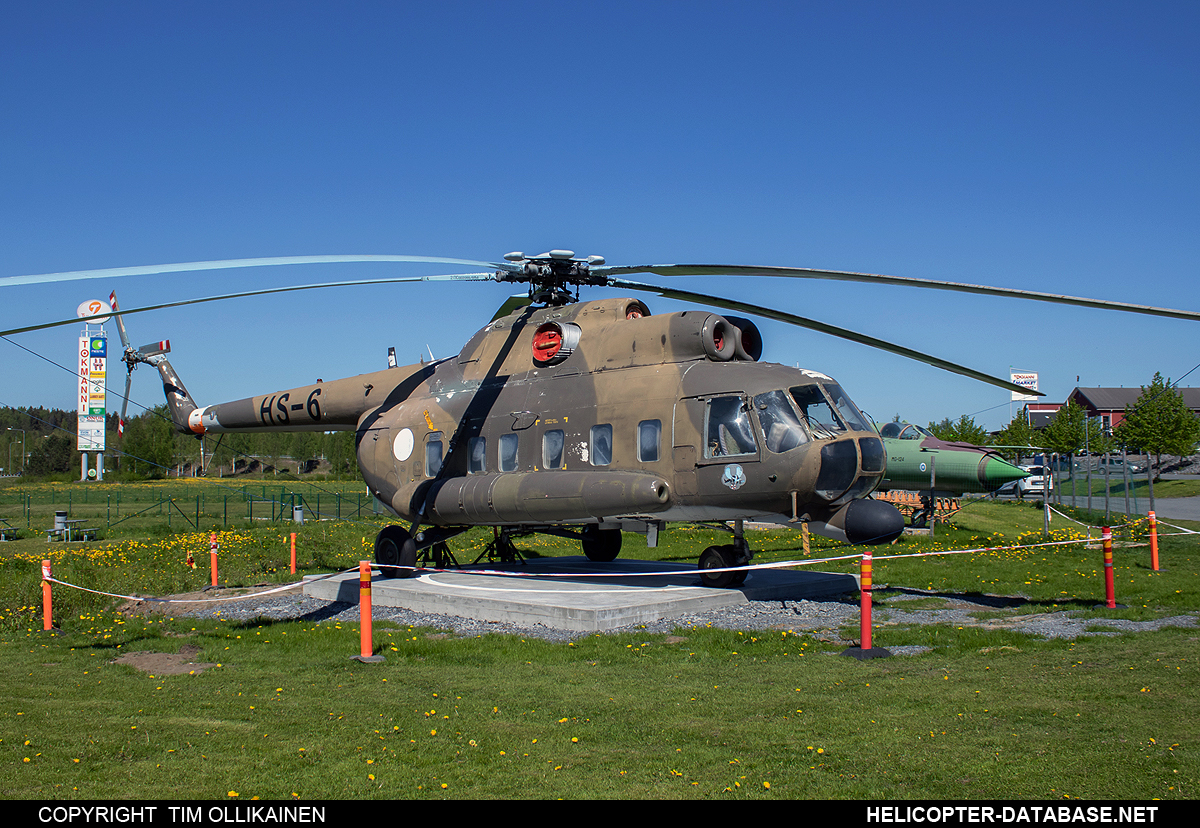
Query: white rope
x=284 y=588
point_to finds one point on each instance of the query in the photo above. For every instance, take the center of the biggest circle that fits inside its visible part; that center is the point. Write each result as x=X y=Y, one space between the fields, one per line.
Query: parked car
x=1037 y=482
x=1115 y=466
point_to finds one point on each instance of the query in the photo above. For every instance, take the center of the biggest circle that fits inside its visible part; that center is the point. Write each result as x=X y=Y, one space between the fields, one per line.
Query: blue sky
x=1045 y=146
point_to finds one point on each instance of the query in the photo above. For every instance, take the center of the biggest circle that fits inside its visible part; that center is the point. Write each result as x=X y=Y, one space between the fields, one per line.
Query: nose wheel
x=717 y=557
x=725 y=557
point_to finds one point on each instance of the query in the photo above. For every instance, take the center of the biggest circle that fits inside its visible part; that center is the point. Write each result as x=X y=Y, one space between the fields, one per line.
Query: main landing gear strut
x=399 y=553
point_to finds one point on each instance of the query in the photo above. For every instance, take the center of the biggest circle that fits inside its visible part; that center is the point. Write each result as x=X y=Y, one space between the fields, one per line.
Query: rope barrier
x=577 y=575
x=366 y=651
x=225 y=599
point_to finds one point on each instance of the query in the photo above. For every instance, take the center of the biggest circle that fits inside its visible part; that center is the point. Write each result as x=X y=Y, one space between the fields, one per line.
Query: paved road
x=1181 y=508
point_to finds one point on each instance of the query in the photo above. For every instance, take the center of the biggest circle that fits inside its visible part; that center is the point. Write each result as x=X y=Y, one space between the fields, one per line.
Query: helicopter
x=590 y=418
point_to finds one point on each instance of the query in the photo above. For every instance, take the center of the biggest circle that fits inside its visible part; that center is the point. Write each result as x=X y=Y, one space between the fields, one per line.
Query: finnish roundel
x=402 y=446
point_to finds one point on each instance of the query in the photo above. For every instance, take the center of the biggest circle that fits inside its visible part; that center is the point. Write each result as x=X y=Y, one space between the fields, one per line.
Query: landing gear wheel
x=395 y=547
x=717 y=557
x=601 y=545
x=739 y=578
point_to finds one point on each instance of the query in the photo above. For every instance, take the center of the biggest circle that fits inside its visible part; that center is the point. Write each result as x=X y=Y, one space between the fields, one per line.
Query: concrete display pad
x=582 y=603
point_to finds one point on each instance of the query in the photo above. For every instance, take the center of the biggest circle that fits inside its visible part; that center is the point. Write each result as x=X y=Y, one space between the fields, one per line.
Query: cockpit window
x=816 y=412
x=850 y=414
x=903 y=431
x=781 y=427
x=728 y=430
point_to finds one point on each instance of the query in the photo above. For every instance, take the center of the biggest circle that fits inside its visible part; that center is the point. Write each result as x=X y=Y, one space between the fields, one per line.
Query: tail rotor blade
x=112 y=300
x=125 y=402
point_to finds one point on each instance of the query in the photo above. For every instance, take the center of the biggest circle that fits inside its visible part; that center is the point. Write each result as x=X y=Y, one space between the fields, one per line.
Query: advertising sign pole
x=92 y=362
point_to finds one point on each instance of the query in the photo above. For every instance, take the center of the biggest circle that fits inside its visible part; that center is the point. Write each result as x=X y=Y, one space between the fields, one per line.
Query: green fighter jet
x=918 y=461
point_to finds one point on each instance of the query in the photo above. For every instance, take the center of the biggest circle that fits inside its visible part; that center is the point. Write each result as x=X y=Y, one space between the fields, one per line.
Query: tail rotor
x=150 y=354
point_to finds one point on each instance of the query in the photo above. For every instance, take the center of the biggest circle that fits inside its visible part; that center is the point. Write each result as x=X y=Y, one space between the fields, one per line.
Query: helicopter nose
x=839 y=467
x=850 y=467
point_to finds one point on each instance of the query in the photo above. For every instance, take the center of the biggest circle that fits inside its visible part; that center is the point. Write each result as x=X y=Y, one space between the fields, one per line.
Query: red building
x=1109 y=404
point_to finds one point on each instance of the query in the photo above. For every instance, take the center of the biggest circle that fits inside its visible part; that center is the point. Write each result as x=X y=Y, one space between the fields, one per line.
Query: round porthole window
x=402 y=446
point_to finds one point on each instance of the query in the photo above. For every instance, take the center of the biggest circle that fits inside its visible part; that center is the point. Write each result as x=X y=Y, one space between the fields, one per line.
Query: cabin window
x=601 y=444
x=508 y=452
x=433 y=455
x=649 y=432
x=816 y=412
x=477 y=455
x=728 y=428
x=552 y=449
x=782 y=429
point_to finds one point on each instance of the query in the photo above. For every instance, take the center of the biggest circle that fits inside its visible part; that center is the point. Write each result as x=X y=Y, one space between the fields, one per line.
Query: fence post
x=293 y=553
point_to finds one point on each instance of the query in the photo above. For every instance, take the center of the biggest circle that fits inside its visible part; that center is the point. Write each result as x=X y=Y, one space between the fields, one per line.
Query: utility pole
x=22 y=449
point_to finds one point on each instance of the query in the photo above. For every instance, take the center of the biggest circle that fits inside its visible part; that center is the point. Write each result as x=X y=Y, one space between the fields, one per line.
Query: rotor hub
x=551 y=275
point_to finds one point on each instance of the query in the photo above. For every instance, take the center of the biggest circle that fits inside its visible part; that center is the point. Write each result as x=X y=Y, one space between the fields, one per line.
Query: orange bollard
x=212 y=556
x=293 y=553
x=47 y=614
x=366 y=639
x=864 y=623
x=1109 y=590
x=866 y=649
x=1153 y=542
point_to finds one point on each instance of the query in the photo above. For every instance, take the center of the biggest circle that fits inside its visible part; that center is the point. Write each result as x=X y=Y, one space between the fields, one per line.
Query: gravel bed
x=824 y=619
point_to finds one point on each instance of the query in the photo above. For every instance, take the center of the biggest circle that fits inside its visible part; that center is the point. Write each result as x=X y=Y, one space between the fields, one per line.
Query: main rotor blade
x=456 y=277
x=224 y=264
x=879 y=279
x=833 y=330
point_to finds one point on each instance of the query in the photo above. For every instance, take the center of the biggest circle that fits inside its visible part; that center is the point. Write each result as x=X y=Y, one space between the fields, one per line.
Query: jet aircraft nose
x=994 y=472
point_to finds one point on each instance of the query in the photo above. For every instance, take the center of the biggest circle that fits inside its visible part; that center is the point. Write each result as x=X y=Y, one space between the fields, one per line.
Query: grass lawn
x=282 y=711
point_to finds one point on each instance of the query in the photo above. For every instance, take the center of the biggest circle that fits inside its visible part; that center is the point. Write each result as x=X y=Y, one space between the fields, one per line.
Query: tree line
x=151 y=448
x=1158 y=423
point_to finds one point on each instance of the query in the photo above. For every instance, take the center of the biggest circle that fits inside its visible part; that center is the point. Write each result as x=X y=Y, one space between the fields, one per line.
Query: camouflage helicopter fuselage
x=595 y=413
